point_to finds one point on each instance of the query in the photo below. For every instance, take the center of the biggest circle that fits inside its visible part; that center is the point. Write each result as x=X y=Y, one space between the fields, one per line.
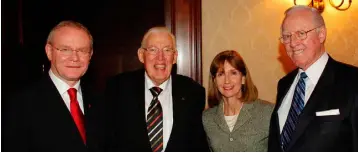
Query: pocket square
x=328 y=112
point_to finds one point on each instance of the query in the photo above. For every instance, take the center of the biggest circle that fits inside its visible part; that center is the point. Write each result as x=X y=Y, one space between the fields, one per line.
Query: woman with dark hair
x=236 y=119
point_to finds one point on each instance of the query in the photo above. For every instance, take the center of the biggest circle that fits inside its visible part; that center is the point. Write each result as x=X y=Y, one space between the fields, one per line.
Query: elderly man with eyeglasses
x=317 y=103
x=152 y=109
x=58 y=113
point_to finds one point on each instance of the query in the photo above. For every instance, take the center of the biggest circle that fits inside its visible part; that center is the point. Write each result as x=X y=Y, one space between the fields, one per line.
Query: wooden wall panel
x=183 y=17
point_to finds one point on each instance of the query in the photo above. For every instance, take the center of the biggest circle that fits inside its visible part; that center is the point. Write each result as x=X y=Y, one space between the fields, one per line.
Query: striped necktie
x=155 y=121
x=294 y=113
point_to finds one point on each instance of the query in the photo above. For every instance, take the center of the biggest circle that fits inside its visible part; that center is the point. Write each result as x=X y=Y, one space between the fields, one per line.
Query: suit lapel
x=52 y=95
x=219 y=118
x=56 y=102
x=284 y=87
x=88 y=99
x=139 y=87
x=87 y=102
x=92 y=124
x=59 y=111
x=177 y=107
x=318 y=95
x=244 y=116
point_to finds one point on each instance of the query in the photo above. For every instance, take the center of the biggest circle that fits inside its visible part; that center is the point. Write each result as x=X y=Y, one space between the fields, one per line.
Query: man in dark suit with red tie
x=57 y=113
x=317 y=104
x=152 y=110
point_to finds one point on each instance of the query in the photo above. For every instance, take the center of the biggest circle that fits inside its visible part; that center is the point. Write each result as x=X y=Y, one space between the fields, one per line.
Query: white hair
x=157 y=30
x=316 y=15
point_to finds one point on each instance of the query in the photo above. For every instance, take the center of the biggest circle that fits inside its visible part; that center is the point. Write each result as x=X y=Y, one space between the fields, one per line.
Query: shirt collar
x=315 y=70
x=149 y=83
x=61 y=85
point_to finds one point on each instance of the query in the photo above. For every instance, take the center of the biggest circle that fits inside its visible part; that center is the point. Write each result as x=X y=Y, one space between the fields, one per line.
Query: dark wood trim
x=183 y=18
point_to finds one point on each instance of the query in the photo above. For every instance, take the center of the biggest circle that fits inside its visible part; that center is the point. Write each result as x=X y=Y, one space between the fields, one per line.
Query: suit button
x=231 y=139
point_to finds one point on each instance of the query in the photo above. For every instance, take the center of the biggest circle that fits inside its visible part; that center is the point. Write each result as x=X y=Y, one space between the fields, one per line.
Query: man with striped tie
x=317 y=104
x=153 y=109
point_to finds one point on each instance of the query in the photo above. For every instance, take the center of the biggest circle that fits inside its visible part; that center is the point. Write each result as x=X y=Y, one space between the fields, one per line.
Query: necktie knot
x=303 y=75
x=72 y=92
x=155 y=91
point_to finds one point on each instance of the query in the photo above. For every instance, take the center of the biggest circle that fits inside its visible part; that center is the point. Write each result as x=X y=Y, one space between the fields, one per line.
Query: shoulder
x=346 y=69
x=261 y=115
x=186 y=82
x=129 y=75
x=41 y=86
x=209 y=114
x=30 y=94
x=263 y=108
x=263 y=104
x=125 y=79
x=344 y=75
x=287 y=78
x=210 y=111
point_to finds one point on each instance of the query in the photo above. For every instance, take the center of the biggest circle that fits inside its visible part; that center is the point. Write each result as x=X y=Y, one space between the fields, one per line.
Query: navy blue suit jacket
x=337 y=88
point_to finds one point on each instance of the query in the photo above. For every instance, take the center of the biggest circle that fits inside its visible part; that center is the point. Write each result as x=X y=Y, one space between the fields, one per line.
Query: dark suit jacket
x=37 y=119
x=125 y=100
x=335 y=89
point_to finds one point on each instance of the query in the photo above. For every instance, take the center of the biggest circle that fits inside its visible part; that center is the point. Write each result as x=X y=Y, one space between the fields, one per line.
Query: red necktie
x=76 y=113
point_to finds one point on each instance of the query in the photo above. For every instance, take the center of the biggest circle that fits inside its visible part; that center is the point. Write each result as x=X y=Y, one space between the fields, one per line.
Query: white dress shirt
x=166 y=100
x=314 y=72
x=62 y=88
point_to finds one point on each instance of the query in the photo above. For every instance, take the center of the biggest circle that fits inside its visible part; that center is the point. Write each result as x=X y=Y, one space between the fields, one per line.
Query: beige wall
x=251 y=27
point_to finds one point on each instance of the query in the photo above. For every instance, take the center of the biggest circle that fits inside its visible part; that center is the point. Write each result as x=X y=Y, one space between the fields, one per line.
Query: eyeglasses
x=155 y=51
x=302 y=35
x=69 y=51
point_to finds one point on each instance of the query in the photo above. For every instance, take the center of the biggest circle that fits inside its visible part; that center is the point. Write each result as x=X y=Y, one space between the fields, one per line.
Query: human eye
x=301 y=34
x=84 y=51
x=286 y=37
x=167 y=50
x=219 y=74
x=235 y=72
x=81 y=52
x=65 y=50
x=152 y=49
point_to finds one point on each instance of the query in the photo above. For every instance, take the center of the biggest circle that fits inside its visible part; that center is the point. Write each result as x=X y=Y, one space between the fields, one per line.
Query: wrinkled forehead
x=297 y=21
x=70 y=36
x=160 y=38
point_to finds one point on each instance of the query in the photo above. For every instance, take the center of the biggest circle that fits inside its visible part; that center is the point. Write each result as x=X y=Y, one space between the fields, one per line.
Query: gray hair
x=72 y=24
x=157 y=30
x=316 y=15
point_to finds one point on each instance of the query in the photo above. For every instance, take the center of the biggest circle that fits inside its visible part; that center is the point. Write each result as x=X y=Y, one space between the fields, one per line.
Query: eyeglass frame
x=297 y=35
x=69 y=51
x=156 y=51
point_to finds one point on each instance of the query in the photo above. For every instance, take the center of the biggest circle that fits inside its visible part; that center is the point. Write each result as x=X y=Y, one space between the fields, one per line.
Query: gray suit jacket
x=249 y=134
